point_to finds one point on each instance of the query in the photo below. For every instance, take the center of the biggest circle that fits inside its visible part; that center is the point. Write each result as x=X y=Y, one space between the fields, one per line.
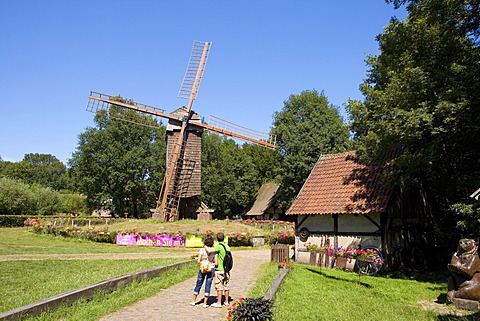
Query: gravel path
x=173 y=303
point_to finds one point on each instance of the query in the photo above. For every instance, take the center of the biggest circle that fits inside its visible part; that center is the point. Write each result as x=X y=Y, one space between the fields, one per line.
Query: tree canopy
x=43 y=169
x=422 y=93
x=307 y=126
x=120 y=163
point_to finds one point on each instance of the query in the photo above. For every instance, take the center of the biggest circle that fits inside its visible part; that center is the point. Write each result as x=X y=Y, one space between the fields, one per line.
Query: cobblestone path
x=173 y=303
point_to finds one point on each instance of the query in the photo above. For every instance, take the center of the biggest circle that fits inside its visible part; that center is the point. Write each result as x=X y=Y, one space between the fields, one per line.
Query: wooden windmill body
x=180 y=193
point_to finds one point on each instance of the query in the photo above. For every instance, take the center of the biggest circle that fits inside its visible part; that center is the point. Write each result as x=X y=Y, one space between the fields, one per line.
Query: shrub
x=18 y=198
x=258 y=309
x=101 y=235
x=283 y=237
x=15 y=197
x=73 y=204
x=46 y=200
x=12 y=220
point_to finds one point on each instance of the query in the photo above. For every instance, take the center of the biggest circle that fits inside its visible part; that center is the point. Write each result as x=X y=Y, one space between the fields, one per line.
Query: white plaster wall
x=359 y=223
x=317 y=222
x=346 y=223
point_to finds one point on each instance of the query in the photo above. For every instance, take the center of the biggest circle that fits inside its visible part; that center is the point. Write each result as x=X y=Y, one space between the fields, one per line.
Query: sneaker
x=227 y=304
x=205 y=305
x=192 y=303
x=216 y=305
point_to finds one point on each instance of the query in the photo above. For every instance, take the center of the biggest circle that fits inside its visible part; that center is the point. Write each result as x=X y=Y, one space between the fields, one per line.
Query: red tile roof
x=341 y=184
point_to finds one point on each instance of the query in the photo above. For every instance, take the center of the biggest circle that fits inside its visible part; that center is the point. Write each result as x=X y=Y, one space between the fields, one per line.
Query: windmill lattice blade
x=227 y=128
x=125 y=110
x=195 y=70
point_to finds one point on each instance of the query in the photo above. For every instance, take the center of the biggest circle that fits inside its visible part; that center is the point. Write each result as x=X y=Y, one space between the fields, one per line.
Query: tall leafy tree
x=120 y=163
x=423 y=92
x=307 y=126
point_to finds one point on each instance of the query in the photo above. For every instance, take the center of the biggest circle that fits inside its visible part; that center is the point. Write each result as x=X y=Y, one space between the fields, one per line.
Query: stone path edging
x=277 y=282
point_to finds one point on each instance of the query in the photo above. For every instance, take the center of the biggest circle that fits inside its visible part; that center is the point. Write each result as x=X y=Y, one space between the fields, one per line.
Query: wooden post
x=313 y=258
x=320 y=259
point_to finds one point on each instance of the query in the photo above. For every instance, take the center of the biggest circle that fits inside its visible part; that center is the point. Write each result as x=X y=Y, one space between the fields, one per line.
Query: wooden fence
x=279 y=253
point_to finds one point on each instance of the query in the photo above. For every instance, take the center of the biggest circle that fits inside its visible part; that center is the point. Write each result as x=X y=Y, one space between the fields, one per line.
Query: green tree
x=232 y=174
x=121 y=162
x=43 y=169
x=306 y=127
x=422 y=92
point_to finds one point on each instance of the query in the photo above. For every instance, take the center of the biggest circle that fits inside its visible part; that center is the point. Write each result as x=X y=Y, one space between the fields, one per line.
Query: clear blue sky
x=53 y=53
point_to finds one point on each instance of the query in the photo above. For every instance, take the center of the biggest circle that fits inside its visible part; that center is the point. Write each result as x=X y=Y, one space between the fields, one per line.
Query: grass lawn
x=27 y=281
x=102 y=304
x=24 y=282
x=313 y=293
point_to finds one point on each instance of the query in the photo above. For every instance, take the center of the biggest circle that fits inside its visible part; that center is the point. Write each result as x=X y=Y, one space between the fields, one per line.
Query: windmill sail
x=195 y=70
x=183 y=166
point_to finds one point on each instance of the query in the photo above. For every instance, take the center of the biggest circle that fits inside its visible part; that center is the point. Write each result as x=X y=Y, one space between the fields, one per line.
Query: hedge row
x=12 y=220
x=22 y=220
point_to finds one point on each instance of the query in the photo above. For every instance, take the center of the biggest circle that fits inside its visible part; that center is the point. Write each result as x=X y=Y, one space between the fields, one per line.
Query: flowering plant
x=285 y=265
x=283 y=237
x=312 y=247
x=367 y=255
x=30 y=221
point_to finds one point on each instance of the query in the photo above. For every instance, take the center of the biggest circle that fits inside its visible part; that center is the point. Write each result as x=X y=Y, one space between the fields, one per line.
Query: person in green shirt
x=221 y=279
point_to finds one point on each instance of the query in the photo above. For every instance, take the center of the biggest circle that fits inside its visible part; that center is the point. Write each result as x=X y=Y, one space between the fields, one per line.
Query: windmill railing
x=224 y=127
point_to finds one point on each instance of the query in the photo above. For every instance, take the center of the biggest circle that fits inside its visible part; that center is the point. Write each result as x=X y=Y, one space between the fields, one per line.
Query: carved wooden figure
x=464 y=283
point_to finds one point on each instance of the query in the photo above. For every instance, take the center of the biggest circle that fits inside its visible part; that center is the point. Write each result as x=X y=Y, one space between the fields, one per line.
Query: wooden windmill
x=182 y=176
